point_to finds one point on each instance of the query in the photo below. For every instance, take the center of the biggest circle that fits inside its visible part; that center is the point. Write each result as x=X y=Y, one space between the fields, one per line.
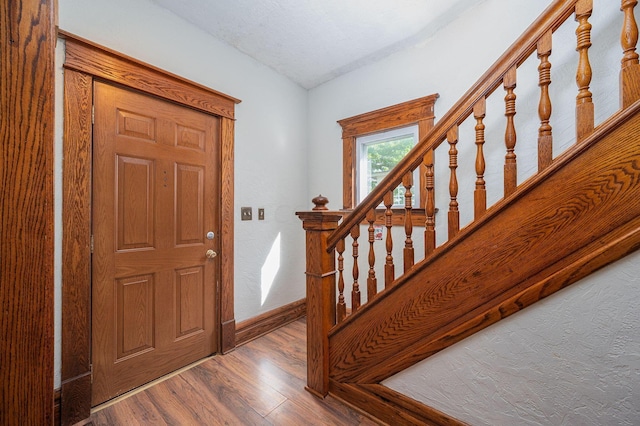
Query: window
x=377 y=154
x=380 y=125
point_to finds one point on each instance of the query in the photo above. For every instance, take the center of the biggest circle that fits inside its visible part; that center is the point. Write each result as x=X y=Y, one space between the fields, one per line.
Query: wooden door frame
x=27 y=122
x=84 y=63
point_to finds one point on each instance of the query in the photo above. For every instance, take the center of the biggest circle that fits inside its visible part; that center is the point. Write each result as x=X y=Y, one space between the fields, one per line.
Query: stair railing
x=326 y=236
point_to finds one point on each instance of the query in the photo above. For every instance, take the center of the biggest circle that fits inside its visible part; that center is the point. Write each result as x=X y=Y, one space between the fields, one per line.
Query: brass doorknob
x=211 y=254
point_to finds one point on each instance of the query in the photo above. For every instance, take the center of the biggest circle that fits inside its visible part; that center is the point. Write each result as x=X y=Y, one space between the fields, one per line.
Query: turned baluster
x=355 y=291
x=545 y=138
x=584 y=102
x=372 y=281
x=510 y=166
x=630 y=70
x=389 y=268
x=407 y=182
x=341 y=307
x=430 y=205
x=454 y=214
x=480 y=193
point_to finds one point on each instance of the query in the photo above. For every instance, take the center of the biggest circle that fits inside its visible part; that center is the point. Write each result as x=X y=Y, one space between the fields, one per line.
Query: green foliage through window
x=382 y=157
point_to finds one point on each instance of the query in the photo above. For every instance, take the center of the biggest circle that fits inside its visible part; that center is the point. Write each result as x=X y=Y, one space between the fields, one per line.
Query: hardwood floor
x=260 y=383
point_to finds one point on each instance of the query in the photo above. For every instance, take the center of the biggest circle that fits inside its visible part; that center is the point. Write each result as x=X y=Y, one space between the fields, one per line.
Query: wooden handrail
x=339 y=355
x=549 y=20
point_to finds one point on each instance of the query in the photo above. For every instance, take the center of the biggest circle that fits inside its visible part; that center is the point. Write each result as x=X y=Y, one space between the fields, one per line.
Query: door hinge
x=91 y=243
x=93 y=114
x=91 y=372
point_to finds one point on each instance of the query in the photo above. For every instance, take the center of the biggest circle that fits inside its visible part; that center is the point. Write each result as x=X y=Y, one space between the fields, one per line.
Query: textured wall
x=571 y=359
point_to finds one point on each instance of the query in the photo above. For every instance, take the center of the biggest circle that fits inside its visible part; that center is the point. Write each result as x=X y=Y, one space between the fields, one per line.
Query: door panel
x=155 y=198
x=189 y=193
x=134 y=315
x=134 y=202
x=189 y=293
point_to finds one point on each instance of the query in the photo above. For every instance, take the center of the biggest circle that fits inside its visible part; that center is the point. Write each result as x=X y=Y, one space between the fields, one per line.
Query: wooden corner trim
x=75 y=400
x=389 y=117
x=91 y=58
x=389 y=406
x=228 y=336
x=57 y=395
x=262 y=324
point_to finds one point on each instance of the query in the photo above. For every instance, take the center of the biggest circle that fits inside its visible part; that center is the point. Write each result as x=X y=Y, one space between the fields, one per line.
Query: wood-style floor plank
x=259 y=383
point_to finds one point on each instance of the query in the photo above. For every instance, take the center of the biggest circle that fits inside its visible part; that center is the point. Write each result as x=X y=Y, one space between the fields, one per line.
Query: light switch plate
x=245 y=213
x=260 y=214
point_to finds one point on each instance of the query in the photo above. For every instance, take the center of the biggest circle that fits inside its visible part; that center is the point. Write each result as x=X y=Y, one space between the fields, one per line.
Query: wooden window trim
x=418 y=111
x=84 y=63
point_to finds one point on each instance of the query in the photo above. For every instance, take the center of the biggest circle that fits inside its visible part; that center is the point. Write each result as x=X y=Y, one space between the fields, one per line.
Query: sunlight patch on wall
x=270 y=269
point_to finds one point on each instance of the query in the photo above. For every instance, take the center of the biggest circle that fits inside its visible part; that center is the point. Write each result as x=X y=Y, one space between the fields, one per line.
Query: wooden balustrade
x=454 y=214
x=372 y=281
x=355 y=292
x=389 y=267
x=341 y=307
x=630 y=70
x=430 y=205
x=326 y=238
x=480 y=193
x=545 y=139
x=510 y=165
x=407 y=182
x=584 y=102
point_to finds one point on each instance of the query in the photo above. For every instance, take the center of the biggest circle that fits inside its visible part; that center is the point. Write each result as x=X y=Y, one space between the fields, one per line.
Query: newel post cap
x=320 y=218
x=320 y=202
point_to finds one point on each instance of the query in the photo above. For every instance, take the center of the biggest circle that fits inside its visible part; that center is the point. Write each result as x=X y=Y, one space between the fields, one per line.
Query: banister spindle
x=430 y=205
x=341 y=307
x=630 y=70
x=480 y=193
x=510 y=165
x=355 y=291
x=389 y=268
x=454 y=214
x=584 y=101
x=372 y=281
x=545 y=138
x=407 y=182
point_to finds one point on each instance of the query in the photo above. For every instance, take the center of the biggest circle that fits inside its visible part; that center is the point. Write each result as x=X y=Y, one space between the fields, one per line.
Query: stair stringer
x=580 y=214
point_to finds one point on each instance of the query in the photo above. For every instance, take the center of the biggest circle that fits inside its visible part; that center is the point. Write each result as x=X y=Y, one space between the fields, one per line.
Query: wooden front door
x=155 y=233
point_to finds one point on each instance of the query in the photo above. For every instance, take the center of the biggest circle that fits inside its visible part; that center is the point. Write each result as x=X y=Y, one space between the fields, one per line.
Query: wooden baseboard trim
x=228 y=338
x=57 y=396
x=269 y=321
x=75 y=399
x=389 y=406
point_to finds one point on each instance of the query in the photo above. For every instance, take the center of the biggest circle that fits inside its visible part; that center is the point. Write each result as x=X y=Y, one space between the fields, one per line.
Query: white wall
x=270 y=136
x=571 y=359
x=520 y=371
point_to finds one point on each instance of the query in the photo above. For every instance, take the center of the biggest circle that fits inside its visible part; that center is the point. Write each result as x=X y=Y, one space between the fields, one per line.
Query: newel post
x=321 y=292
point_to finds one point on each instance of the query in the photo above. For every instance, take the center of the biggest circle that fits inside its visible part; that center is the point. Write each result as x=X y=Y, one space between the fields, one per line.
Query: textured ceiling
x=314 y=41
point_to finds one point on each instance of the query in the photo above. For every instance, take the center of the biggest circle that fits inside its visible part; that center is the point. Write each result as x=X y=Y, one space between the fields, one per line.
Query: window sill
x=418 y=217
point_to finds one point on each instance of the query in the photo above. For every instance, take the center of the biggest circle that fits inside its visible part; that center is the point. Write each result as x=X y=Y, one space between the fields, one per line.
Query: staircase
x=579 y=212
